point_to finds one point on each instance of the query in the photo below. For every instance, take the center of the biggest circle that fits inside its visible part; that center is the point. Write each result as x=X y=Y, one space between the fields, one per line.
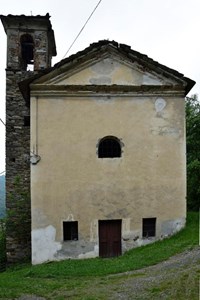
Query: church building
x=97 y=142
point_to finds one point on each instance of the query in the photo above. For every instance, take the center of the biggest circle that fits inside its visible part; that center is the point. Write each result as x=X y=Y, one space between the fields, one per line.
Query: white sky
x=165 y=30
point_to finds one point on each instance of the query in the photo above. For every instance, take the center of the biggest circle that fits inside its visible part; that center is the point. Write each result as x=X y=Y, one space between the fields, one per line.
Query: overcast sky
x=165 y=30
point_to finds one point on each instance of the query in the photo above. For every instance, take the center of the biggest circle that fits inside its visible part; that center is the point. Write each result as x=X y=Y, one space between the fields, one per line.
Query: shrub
x=2 y=245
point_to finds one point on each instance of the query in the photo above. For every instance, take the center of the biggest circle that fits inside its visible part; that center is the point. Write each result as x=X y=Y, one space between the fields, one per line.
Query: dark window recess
x=109 y=147
x=149 y=227
x=26 y=120
x=70 y=231
x=27 y=46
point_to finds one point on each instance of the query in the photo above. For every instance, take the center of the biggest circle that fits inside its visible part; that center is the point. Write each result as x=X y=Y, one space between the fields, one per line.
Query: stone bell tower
x=30 y=47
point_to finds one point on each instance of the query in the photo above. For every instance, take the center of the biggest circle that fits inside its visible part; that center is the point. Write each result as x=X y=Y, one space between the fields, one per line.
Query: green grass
x=180 y=287
x=52 y=280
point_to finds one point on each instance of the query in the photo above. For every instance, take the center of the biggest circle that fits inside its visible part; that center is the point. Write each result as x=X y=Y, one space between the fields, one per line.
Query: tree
x=2 y=245
x=193 y=152
x=2 y=196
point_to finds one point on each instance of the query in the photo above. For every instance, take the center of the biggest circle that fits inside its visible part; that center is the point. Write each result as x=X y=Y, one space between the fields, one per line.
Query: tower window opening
x=27 y=55
x=30 y=67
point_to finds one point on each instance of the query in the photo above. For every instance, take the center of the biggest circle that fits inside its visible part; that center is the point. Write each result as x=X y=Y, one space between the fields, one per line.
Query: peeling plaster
x=160 y=104
x=166 y=131
x=170 y=227
x=90 y=254
x=44 y=247
x=40 y=219
x=106 y=66
x=150 y=80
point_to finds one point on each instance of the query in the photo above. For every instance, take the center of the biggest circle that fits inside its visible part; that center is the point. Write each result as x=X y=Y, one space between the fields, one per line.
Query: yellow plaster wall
x=72 y=183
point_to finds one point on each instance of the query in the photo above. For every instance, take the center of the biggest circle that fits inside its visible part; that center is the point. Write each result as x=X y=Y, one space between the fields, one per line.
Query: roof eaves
x=169 y=72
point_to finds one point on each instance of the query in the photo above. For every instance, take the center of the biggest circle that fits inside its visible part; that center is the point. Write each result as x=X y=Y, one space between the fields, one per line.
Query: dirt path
x=176 y=278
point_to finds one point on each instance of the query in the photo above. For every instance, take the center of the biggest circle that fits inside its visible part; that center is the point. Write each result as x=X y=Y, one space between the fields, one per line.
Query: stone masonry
x=37 y=29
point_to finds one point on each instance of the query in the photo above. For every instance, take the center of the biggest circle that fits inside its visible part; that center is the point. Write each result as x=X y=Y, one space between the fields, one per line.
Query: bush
x=192 y=109
x=2 y=245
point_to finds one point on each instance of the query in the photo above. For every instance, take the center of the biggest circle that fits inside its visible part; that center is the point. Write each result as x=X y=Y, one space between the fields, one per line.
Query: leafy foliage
x=2 y=196
x=193 y=152
x=2 y=245
x=18 y=216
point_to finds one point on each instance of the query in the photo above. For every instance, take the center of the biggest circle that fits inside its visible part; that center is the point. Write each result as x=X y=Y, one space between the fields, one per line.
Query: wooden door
x=110 y=238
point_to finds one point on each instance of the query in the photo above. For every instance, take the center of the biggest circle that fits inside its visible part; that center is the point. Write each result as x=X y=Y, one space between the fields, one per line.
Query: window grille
x=149 y=227
x=109 y=147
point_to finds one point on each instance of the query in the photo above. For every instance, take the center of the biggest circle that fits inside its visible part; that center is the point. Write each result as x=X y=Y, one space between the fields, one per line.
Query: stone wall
x=17 y=169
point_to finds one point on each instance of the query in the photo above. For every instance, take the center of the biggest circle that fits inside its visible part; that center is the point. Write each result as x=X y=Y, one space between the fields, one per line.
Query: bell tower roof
x=30 y=23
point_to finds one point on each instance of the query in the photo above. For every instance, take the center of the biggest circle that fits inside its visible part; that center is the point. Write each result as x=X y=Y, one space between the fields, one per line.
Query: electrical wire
x=71 y=44
x=2 y=122
x=82 y=28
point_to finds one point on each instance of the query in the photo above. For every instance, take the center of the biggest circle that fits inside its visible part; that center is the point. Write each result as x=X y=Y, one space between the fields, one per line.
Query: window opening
x=109 y=147
x=30 y=67
x=149 y=227
x=70 y=231
x=26 y=120
x=27 y=56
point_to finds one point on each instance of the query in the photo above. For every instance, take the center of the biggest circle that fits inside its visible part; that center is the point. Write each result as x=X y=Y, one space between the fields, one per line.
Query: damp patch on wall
x=44 y=246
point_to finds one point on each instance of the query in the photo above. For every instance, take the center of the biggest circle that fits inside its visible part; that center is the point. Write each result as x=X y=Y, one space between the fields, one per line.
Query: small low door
x=110 y=238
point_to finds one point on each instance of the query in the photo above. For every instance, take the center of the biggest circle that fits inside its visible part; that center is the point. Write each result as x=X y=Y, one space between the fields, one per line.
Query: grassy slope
x=45 y=280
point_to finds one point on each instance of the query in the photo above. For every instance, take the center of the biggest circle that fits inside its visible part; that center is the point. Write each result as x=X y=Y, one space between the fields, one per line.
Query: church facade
x=107 y=149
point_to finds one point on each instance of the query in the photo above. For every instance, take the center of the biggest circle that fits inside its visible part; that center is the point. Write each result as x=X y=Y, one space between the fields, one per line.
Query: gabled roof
x=95 y=50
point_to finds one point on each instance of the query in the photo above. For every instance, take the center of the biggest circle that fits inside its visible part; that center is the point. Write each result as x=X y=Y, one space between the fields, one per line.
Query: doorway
x=110 y=238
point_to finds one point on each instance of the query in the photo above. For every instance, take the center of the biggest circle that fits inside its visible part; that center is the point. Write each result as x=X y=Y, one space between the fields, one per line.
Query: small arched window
x=109 y=146
x=27 y=47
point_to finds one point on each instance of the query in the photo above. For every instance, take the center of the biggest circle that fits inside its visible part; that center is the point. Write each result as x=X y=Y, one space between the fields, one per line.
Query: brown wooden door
x=110 y=238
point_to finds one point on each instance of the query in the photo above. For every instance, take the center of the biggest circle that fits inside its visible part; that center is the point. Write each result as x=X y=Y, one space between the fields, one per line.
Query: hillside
x=2 y=196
